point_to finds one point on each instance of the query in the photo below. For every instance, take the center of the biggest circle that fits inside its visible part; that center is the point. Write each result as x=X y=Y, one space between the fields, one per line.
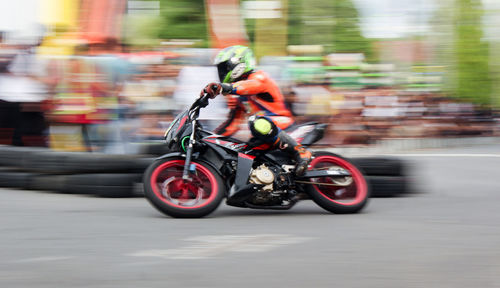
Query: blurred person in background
x=110 y=134
x=24 y=84
x=251 y=92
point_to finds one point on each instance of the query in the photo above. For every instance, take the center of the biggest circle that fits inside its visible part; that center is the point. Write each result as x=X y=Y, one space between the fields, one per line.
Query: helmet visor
x=223 y=69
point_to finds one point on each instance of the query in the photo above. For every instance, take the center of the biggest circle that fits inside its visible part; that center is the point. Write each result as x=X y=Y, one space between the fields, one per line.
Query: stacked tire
x=96 y=174
x=387 y=177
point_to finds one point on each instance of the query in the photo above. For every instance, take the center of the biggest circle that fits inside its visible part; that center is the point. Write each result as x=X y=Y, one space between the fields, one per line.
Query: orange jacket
x=258 y=93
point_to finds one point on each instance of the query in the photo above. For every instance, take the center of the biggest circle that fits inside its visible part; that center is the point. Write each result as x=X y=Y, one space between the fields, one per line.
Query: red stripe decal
x=182 y=123
x=246 y=156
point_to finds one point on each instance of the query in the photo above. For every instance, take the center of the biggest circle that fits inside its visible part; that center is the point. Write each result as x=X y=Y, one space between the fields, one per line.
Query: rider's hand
x=212 y=90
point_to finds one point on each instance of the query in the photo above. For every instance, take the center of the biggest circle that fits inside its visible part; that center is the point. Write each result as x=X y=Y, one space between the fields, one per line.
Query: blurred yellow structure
x=60 y=12
x=61 y=16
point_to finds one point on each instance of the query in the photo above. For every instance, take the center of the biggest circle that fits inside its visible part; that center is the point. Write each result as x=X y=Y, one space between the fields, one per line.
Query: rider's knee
x=263 y=127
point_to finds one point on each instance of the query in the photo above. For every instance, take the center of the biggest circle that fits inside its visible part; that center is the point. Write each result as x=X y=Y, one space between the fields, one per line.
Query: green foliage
x=311 y=22
x=142 y=30
x=473 y=76
x=347 y=33
x=333 y=24
x=184 y=19
x=294 y=22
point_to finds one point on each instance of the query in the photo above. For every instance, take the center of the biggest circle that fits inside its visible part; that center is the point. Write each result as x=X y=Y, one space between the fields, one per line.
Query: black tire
x=54 y=183
x=380 y=166
x=323 y=196
x=112 y=185
x=47 y=162
x=102 y=191
x=171 y=167
x=13 y=156
x=388 y=186
x=103 y=163
x=55 y=162
x=15 y=179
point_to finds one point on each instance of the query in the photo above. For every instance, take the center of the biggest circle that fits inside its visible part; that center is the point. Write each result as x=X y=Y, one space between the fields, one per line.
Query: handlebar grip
x=203 y=102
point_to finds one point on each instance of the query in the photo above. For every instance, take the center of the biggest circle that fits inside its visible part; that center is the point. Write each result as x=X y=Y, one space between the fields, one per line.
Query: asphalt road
x=447 y=234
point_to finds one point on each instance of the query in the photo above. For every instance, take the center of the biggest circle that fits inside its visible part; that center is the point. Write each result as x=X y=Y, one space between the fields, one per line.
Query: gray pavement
x=444 y=235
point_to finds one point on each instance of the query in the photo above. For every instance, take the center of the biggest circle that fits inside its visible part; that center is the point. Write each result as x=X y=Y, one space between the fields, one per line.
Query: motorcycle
x=203 y=168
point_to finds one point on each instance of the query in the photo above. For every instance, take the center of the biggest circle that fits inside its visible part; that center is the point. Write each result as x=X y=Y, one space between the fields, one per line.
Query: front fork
x=189 y=154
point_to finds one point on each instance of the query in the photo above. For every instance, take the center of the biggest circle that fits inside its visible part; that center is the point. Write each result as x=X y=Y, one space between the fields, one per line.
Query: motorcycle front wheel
x=338 y=195
x=170 y=194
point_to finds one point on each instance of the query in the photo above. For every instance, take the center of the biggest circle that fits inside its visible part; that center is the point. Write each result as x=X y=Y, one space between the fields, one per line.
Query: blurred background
x=104 y=75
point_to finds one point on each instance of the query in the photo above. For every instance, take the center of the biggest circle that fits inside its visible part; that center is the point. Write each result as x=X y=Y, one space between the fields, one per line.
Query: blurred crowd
x=107 y=97
x=368 y=115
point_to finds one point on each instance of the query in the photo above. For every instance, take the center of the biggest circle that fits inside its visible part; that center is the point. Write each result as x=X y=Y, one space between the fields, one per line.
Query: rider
x=250 y=92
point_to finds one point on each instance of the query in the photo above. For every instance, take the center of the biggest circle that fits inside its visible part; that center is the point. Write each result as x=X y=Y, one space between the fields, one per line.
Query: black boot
x=302 y=156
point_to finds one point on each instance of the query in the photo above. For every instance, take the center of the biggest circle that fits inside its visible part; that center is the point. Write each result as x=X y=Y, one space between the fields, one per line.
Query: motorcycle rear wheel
x=170 y=194
x=351 y=194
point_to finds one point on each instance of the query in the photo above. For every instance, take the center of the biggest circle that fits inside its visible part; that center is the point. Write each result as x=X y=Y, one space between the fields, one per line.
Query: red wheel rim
x=169 y=187
x=350 y=195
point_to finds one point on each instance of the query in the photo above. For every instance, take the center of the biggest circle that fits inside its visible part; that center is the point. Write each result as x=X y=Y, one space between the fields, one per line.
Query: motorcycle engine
x=265 y=176
x=262 y=175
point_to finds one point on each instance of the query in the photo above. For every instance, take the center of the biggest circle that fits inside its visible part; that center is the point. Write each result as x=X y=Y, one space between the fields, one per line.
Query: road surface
x=447 y=234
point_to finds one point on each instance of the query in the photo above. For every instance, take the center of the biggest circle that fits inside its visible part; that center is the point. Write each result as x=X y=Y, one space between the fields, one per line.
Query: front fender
x=196 y=155
x=171 y=154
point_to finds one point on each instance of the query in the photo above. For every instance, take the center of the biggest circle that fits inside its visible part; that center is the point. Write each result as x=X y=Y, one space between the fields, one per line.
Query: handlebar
x=214 y=87
x=201 y=102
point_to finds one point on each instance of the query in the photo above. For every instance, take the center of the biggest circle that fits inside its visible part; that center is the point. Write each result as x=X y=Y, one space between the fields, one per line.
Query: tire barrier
x=15 y=179
x=97 y=174
x=388 y=186
x=103 y=185
x=11 y=156
x=380 y=166
x=53 y=162
x=107 y=175
x=110 y=185
x=387 y=176
x=54 y=183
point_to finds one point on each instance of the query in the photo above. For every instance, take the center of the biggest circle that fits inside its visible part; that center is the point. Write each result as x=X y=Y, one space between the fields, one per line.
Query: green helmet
x=234 y=61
